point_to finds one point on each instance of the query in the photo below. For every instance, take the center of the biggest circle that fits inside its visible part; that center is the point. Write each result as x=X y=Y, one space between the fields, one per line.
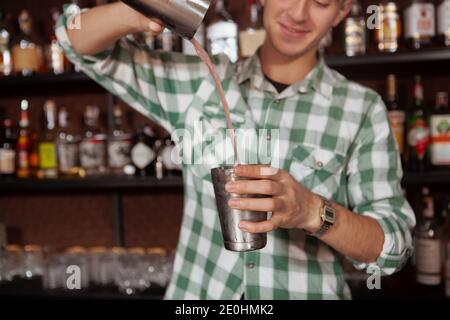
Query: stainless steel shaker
x=234 y=238
x=183 y=17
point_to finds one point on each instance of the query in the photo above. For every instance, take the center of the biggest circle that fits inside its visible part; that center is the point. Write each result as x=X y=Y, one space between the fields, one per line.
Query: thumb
x=155 y=26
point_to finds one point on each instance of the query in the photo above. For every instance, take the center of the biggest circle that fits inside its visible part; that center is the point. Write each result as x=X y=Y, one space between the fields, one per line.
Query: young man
x=335 y=153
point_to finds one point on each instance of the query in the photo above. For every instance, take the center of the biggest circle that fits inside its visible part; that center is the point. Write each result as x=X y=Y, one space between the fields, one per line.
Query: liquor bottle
x=93 y=144
x=440 y=132
x=396 y=114
x=23 y=142
x=143 y=154
x=67 y=146
x=56 y=61
x=7 y=151
x=252 y=37
x=326 y=44
x=355 y=31
x=119 y=144
x=168 y=41
x=419 y=23
x=443 y=17
x=48 y=163
x=418 y=131
x=170 y=158
x=428 y=245
x=388 y=35
x=33 y=157
x=222 y=33
x=5 y=53
x=26 y=52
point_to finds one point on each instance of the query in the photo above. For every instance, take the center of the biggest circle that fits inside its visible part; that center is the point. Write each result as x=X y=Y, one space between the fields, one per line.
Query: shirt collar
x=320 y=79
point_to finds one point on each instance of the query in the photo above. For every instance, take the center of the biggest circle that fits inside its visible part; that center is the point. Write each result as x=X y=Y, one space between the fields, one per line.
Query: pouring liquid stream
x=205 y=58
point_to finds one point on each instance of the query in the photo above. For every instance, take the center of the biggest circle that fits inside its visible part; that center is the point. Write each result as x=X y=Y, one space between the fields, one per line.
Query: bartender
x=335 y=189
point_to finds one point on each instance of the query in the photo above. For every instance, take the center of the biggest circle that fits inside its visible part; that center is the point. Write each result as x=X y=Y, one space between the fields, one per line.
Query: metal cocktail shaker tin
x=234 y=238
x=181 y=16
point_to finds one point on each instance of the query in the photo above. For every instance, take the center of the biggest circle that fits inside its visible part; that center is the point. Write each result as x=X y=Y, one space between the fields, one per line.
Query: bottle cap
x=76 y=250
x=157 y=251
x=136 y=250
x=98 y=249
x=32 y=248
x=118 y=250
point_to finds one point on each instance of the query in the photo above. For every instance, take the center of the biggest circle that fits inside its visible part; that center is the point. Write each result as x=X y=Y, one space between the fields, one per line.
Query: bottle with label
x=440 y=132
x=419 y=23
x=428 y=245
x=222 y=33
x=418 y=131
x=67 y=146
x=168 y=41
x=93 y=144
x=48 y=163
x=26 y=52
x=56 y=61
x=170 y=158
x=396 y=114
x=388 y=35
x=443 y=23
x=355 y=31
x=7 y=151
x=143 y=155
x=119 y=144
x=253 y=36
x=33 y=158
x=23 y=147
x=5 y=53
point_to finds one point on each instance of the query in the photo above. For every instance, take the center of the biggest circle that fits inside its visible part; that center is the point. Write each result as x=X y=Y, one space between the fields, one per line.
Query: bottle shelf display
x=414 y=36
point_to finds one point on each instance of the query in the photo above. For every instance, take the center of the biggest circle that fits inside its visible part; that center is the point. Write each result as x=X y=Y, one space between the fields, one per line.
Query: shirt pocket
x=318 y=169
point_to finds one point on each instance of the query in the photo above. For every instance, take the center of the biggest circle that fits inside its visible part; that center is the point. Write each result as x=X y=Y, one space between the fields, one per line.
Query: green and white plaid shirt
x=332 y=135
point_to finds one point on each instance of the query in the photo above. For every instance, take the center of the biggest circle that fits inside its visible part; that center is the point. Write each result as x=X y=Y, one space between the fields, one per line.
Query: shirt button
x=277 y=101
x=250 y=265
x=319 y=164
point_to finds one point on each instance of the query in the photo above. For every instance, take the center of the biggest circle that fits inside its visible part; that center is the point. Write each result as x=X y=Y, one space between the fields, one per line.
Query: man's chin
x=292 y=52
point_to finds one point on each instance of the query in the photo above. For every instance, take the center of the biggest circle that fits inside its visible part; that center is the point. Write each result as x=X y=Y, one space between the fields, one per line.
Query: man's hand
x=291 y=204
x=103 y=25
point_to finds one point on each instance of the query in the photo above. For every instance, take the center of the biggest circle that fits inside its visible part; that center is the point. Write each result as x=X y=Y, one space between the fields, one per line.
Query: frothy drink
x=205 y=58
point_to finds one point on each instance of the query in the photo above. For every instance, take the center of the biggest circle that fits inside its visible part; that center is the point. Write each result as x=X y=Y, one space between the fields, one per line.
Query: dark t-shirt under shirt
x=278 y=85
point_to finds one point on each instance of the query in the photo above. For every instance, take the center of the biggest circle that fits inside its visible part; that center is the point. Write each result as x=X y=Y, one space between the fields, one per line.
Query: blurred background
x=86 y=180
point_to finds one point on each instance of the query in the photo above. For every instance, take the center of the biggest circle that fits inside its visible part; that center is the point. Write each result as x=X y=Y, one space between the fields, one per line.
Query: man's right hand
x=103 y=25
x=144 y=24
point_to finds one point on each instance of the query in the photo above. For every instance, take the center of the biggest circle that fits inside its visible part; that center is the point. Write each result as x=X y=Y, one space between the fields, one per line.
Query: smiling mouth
x=293 y=31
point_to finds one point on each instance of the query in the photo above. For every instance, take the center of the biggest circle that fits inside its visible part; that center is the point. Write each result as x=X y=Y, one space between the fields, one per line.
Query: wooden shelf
x=32 y=289
x=126 y=183
x=335 y=61
x=44 y=79
x=431 y=55
x=423 y=178
x=90 y=184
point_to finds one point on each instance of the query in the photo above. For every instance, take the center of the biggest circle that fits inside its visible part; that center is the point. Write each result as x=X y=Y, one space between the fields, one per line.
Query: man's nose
x=298 y=11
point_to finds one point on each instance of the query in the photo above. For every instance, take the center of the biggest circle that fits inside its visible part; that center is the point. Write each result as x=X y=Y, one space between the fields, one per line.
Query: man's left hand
x=291 y=204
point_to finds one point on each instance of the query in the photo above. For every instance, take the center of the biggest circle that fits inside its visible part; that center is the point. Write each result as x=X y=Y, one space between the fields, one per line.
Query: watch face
x=329 y=214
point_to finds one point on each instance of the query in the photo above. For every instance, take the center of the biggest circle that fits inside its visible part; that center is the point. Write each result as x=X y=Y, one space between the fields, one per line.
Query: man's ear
x=343 y=12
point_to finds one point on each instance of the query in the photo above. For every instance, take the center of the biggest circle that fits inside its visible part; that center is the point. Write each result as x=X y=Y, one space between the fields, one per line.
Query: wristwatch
x=328 y=217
